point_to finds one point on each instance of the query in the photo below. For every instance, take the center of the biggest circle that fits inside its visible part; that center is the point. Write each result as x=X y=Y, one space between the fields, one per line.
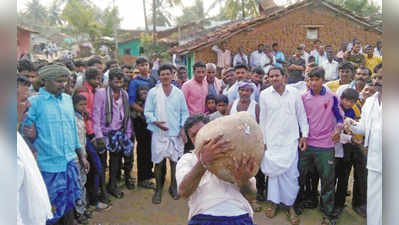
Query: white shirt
x=377 y=52
x=238 y=59
x=232 y=93
x=370 y=124
x=319 y=58
x=211 y=191
x=258 y=59
x=281 y=117
x=331 y=69
x=305 y=56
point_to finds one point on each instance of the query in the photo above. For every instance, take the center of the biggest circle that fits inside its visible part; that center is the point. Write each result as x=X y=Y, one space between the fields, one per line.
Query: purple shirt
x=117 y=114
x=324 y=113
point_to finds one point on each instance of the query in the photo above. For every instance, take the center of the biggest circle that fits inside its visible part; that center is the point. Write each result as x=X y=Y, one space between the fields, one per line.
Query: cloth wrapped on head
x=53 y=71
x=247 y=84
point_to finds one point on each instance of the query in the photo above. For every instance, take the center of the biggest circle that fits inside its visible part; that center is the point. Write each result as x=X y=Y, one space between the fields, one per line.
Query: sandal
x=147 y=184
x=256 y=207
x=271 y=211
x=292 y=216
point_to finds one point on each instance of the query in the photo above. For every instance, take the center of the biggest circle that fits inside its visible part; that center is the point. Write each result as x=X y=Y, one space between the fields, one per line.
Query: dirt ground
x=136 y=208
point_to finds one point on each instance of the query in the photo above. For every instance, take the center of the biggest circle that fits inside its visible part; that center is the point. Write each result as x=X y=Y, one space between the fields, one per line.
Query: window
x=312 y=33
x=126 y=51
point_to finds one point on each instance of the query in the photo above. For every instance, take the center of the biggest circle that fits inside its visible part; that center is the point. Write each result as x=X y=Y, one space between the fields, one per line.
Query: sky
x=132 y=12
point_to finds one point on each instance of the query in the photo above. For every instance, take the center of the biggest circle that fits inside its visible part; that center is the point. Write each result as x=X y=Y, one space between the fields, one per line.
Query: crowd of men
x=320 y=114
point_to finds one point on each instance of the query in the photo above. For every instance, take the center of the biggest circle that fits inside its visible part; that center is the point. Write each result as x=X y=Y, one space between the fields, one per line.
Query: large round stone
x=245 y=136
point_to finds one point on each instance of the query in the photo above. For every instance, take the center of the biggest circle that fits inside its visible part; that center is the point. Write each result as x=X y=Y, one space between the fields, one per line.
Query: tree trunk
x=154 y=12
x=145 y=17
x=243 y=9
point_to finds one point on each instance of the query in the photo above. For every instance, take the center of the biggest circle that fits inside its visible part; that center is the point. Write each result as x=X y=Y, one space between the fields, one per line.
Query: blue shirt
x=279 y=55
x=135 y=83
x=57 y=135
x=176 y=110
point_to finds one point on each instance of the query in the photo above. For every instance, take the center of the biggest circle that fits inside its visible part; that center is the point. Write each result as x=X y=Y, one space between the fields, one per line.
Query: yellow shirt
x=358 y=111
x=333 y=85
x=370 y=63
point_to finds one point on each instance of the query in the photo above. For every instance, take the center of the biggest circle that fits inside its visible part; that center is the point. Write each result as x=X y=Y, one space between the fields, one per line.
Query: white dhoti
x=281 y=166
x=163 y=146
x=374 y=198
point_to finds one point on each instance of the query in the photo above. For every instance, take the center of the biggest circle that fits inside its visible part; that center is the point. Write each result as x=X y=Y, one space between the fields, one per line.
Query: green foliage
x=151 y=49
x=359 y=7
x=195 y=13
x=110 y=20
x=35 y=11
x=237 y=9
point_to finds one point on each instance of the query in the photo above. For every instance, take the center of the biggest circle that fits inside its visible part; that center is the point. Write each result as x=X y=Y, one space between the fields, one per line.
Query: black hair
x=377 y=67
x=311 y=58
x=91 y=73
x=350 y=94
x=316 y=41
x=165 y=67
x=194 y=119
x=240 y=66
x=127 y=66
x=362 y=67
x=346 y=65
x=198 y=65
x=210 y=97
x=109 y=63
x=22 y=80
x=116 y=73
x=94 y=60
x=76 y=98
x=141 y=88
x=79 y=63
x=141 y=60
x=274 y=44
x=259 y=70
x=25 y=65
x=181 y=67
x=277 y=68
x=173 y=67
x=317 y=72
x=222 y=98
x=69 y=64
x=261 y=44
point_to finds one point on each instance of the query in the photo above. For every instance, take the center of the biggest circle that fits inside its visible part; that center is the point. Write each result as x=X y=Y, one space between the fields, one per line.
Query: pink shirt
x=323 y=113
x=211 y=190
x=223 y=57
x=195 y=94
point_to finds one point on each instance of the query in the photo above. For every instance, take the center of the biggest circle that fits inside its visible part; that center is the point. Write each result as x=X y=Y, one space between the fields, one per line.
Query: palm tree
x=236 y=9
x=54 y=13
x=36 y=11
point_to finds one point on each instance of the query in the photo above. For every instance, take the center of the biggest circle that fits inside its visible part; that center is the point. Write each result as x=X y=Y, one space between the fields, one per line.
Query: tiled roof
x=26 y=29
x=229 y=30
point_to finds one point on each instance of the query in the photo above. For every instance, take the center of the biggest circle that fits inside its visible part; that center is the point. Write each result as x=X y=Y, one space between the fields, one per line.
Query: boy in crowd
x=221 y=105
x=325 y=125
x=345 y=73
x=210 y=102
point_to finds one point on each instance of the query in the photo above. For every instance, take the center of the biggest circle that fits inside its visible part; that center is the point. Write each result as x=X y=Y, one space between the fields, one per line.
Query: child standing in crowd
x=210 y=104
x=143 y=138
x=221 y=105
x=79 y=104
x=325 y=119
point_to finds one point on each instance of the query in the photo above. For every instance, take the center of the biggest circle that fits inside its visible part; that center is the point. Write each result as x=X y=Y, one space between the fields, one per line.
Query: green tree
x=195 y=13
x=110 y=20
x=36 y=11
x=54 y=13
x=359 y=7
x=236 y=9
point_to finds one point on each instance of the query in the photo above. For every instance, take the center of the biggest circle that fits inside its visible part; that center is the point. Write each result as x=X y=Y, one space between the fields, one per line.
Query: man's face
x=245 y=93
x=317 y=44
x=210 y=75
x=31 y=75
x=347 y=103
x=99 y=67
x=95 y=83
x=241 y=74
x=321 y=49
x=275 y=48
x=221 y=107
x=299 y=52
x=379 y=44
x=266 y=81
x=143 y=68
x=182 y=74
x=368 y=91
x=369 y=51
x=330 y=54
x=257 y=78
x=362 y=75
x=113 y=65
x=356 y=48
x=165 y=77
x=199 y=74
x=192 y=131
x=345 y=75
x=228 y=78
x=116 y=83
x=260 y=48
x=211 y=105
x=128 y=72
x=378 y=79
x=80 y=69
x=143 y=94
x=276 y=78
x=56 y=86
x=316 y=83
x=81 y=106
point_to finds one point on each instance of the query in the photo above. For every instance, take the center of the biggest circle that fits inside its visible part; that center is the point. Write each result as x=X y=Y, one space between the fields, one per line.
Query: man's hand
x=303 y=144
x=85 y=164
x=243 y=169
x=213 y=149
x=100 y=144
x=336 y=135
x=161 y=125
x=356 y=140
x=349 y=122
x=182 y=134
x=30 y=132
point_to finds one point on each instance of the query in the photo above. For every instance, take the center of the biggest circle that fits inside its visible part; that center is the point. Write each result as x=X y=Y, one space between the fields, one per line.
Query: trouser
x=66 y=219
x=353 y=156
x=114 y=168
x=323 y=160
x=260 y=182
x=81 y=204
x=144 y=163
x=95 y=178
x=126 y=163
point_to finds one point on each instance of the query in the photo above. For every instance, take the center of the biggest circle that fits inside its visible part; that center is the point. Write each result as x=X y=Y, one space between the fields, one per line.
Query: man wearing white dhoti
x=166 y=111
x=370 y=124
x=282 y=114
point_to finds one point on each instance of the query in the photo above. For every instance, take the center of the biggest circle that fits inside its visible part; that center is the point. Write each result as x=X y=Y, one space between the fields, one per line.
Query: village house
x=24 y=40
x=302 y=22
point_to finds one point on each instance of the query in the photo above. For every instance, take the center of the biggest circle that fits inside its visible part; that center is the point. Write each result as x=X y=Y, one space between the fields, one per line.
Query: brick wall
x=289 y=32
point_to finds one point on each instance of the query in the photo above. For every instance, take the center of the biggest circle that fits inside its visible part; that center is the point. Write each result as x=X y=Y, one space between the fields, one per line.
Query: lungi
x=202 y=219
x=374 y=198
x=166 y=147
